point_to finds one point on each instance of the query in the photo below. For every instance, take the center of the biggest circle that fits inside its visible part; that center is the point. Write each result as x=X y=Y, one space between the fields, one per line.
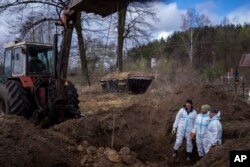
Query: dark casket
x=130 y=82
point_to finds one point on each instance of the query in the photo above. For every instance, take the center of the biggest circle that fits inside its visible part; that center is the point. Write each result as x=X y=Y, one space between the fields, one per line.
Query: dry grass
x=95 y=88
x=94 y=100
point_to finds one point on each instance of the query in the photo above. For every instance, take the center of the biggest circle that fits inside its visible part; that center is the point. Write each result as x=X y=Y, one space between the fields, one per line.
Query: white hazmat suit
x=200 y=130
x=184 y=122
x=214 y=132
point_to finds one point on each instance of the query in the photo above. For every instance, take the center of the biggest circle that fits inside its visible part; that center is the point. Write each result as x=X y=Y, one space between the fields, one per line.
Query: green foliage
x=223 y=43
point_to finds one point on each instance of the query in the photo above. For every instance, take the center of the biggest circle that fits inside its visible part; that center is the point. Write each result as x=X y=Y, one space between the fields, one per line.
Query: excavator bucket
x=100 y=7
x=130 y=82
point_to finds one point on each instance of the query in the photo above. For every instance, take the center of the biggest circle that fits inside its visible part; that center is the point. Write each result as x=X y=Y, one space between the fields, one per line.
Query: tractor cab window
x=7 y=62
x=40 y=60
x=18 y=61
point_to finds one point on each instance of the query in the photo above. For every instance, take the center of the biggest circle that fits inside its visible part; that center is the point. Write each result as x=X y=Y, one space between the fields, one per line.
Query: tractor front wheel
x=72 y=102
x=14 y=99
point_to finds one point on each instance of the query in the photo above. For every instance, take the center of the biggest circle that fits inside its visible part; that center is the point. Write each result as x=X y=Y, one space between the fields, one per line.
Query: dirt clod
x=112 y=155
x=80 y=148
x=91 y=150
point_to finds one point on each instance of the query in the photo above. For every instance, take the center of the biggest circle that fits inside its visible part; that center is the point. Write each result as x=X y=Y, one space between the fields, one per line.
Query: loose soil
x=136 y=127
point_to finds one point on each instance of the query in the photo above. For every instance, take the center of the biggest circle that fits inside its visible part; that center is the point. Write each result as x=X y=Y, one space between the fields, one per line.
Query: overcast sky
x=169 y=13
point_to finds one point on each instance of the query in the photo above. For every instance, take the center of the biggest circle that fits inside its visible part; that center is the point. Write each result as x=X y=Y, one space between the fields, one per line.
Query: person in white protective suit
x=200 y=129
x=214 y=130
x=184 y=123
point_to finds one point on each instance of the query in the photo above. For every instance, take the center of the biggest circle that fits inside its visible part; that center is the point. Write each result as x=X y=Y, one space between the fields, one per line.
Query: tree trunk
x=191 y=47
x=121 y=29
x=82 y=51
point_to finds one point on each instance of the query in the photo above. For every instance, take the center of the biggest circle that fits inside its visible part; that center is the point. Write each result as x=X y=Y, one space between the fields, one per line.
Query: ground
x=136 y=127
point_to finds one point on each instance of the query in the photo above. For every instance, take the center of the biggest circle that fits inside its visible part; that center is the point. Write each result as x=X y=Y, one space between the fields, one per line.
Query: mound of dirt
x=145 y=125
x=141 y=130
x=22 y=144
x=219 y=156
x=92 y=156
x=208 y=94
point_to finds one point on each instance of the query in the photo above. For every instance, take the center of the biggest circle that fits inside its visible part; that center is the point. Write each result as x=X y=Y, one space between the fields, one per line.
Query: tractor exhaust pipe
x=55 y=51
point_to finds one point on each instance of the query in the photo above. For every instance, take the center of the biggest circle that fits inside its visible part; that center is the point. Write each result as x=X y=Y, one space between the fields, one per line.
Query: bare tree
x=33 y=28
x=190 y=21
x=188 y=24
x=203 y=20
x=34 y=24
x=34 y=17
x=82 y=51
x=132 y=26
x=121 y=30
x=225 y=21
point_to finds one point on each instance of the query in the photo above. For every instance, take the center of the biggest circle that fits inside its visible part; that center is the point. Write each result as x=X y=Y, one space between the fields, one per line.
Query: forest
x=216 y=49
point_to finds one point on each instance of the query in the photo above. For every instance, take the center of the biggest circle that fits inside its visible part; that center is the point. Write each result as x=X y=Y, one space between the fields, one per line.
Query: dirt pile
x=208 y=94
x=93 y=156
x=140 y=132
x=219 y=156
x=22 y=144
x=145 y=125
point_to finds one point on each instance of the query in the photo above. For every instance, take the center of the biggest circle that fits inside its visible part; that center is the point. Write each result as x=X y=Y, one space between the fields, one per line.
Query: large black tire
x=72 y=101
x=14 y=99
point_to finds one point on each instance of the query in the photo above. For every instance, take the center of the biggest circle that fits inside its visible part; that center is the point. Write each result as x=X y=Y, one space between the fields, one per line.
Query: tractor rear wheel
x=71 y=99
x=14 y=99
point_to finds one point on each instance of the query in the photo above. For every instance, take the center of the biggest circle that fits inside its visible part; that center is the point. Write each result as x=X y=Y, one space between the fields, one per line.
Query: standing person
x=184 y=123
x=35 y=64
x=214 y=130
x=200 y=129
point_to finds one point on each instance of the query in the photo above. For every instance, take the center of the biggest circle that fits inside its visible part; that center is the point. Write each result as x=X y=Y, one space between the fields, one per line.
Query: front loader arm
x=64 y=52
x=68 y=18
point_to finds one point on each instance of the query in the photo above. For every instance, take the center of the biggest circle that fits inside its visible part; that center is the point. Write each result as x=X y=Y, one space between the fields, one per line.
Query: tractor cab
x=23 y=58
x=28 y=85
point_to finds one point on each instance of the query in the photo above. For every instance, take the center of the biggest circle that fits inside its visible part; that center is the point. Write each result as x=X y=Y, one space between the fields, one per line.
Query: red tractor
x=34 y=83
x=29 y=84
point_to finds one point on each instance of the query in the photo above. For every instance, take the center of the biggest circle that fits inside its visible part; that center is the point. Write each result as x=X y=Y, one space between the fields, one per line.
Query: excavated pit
x=142 y=124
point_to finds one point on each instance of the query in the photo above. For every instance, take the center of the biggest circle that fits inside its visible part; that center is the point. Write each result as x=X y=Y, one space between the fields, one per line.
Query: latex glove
x=192 y=136
x=173 y=131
